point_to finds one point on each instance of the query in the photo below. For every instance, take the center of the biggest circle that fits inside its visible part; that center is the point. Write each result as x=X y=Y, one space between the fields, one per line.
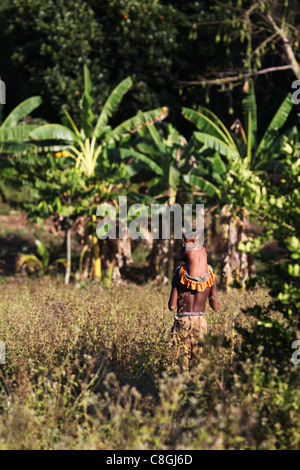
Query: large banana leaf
x=125 y=153
x=8 y=148
x=87 y=80
x=174 y=176
x=87 y=115
x=173 y=136
x=111 y=104
x=251 y=139
x=217 y=164
x=276 y=124
x=156 y=138
x=271 y=166
x=43 y=252
x=30 y=260
x=208 y=123
x=17 y=133
x=250 y=117
x=22 y=110
x=53 y=132
x=201 y=184
x=134 y=123
x=147 y=149
x=16 y=139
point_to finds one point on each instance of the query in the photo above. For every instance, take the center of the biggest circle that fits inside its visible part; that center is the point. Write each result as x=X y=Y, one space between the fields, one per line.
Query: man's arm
x=213 y=297
x=173 y=296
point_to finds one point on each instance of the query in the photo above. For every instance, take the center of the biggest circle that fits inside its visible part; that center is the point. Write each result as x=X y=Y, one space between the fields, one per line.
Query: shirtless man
x=190 y=324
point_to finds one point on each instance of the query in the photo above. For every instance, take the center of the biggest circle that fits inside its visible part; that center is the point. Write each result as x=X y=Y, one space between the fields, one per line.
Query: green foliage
x=280 y=212
x=49 y=41
x=159 y=44
x=51 y=185
x=164 y=152
x=53 y=61
x=231 y=165
x=56 y=190
x=214 y=134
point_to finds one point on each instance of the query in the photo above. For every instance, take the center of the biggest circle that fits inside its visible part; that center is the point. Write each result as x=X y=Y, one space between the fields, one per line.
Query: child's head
x=193 y=239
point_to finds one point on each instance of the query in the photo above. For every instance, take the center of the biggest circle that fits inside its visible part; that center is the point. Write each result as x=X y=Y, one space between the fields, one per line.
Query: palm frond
x=250 y=116
x=276 y=124
x=135 y=123
x=217 y=144
x=22 y=110
x=207 y=122
x=53 y=132
x=29 y=260
x=202 y=184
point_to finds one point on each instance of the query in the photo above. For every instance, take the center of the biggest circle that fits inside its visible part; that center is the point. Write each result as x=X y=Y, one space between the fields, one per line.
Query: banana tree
x=230 y=167
x=14 y=135
x=88 y=142
x=164 y=155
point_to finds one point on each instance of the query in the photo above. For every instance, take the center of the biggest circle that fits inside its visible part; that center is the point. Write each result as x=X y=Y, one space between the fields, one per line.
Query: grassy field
x=93 y=368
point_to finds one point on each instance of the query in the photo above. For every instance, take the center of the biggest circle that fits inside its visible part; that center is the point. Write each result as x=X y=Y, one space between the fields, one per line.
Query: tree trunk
x=84 y=262
x=68 y=245
x=170 y=268
x=115 y=254
x=237 y=265
x=96 y=257
x=158 y=263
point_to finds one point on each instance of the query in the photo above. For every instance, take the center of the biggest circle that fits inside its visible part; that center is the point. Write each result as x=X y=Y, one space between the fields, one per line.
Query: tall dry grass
x=93 y=368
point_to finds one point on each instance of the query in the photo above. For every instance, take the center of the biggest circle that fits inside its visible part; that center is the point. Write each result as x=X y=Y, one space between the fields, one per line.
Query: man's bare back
x=194 y=254
x=196 y=262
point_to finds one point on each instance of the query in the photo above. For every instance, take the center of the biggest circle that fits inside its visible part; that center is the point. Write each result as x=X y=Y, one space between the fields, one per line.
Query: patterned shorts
x=188 y=331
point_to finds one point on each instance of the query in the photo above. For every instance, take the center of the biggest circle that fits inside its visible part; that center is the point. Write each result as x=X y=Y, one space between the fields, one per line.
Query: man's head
x=193 y=239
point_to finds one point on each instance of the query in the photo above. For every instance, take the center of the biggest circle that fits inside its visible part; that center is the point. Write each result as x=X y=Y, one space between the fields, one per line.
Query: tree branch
x=239 y=77
x=287 y=48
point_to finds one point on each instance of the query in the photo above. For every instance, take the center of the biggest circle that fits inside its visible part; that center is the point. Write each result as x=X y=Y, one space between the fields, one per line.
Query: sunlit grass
x=94 y=368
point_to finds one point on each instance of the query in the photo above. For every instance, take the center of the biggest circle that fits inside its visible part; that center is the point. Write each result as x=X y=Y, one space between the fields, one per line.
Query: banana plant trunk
x=172 y=200
x=158 y=262
x=161 y=263
x=115 y=255
x=237 y=266
x=96 y=258
x=69 y=258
